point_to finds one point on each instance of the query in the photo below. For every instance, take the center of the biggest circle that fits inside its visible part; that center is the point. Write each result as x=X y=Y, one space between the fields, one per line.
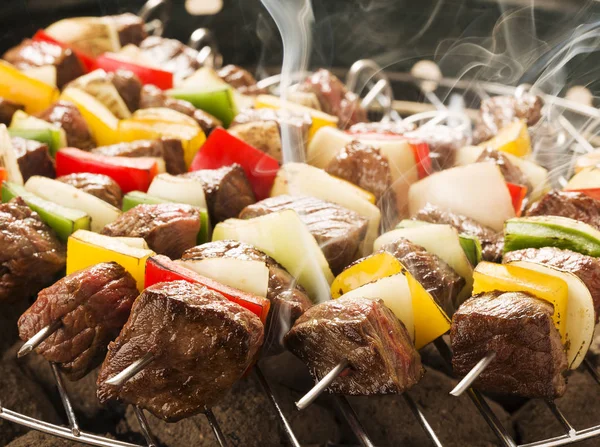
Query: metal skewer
x=64 y=397
x=144 y=427
x=131 y=370
x=38 y=338
x=468 y=380
x=216 y=428
x=321 y=385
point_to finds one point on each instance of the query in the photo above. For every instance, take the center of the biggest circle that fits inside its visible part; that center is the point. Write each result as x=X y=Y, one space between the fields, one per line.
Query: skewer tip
x=25 y=350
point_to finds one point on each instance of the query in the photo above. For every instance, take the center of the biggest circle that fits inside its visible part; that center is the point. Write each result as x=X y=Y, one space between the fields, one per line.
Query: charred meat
x=380 y=353
x=93 y=305
x=171 y=55
x=168 y=228
x=33 y=158
x=240 y=79
x=437 y=277
x=67 y=116
x=130 y=28
x=7 y=110
x=511 y=173
x=201 y=342
x=338 y=231
x=530 y=358
x=28 y=245
x=169 y=149
x=129 y=87
x=97 y=185
x=575 y=205
x=227 y=191
x=443 y=143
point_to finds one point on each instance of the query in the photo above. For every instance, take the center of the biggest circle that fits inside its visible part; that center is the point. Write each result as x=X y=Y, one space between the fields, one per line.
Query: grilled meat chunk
x=130 y=28
x=169 y=149
x=288 y=299
x=240 y=79
x=499 y=111
x=492 y=243
x=587 y=268
x=168 y=228
x=367 y=168
x=201 y=342
x=129 y=87
x=334 y=98
x=383 y=127
x=8 y=109
x=575 y=205
x=511 y=173
x=28 y=245
x=66 y=115
x=437 y=277
x=31 y=54
x=338 y=231
x=33 y=158
x=93 y=305
x=443 y=143
x=97 y=185
x=171 y=55
x=530 y=358
x=381 y=356
x=227 y=191
x=152 y=96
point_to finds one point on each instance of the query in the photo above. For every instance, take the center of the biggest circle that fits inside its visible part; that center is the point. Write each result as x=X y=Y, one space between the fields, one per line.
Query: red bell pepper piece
x=88 y=61
x=594 y=193
x=160 y=78
x=517 y=194
x=162 y=269
x=223 y=149
x=132 y=174
x=3 y=175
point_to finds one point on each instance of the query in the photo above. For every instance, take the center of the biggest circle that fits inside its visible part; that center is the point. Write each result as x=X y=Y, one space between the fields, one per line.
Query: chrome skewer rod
x=592 y=370
x=38 y=338
x=321 y=385
x=373 y=93
x=216 y=428
x=468 y=380
x=131 y=370
x=64 y=397
x=350 y=416
x=144 y=427
x=571 y=432
x=423 y=422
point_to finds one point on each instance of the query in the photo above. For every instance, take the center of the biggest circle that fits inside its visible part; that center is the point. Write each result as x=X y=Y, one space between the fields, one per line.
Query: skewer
x=131 y=370
x=144 y=427
x=468 y=380
x=561 y=418
x=38 y=338
x=321 y=385
x=423 y=422
x=350 y=416
x=64 y=397
x=216 y=428
x=592 y=370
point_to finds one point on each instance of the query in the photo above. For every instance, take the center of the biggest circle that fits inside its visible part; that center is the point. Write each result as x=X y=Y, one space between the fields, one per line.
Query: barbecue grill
x=568 y=129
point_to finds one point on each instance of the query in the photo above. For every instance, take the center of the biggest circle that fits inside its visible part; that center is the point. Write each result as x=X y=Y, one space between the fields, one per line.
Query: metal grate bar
x=422 y=420
x=579 y=436
x=561 y=418
x=144 y=427
x=64 y=397
x=216 y=428
x=348 y=413
x=592 y=370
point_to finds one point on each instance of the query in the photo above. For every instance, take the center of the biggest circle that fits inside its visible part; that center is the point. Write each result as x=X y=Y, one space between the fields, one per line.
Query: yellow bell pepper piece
x=16 y=86
x=85 y=248
x=513 y=139
x=319 y=119
x=430 y=320
x=509 y=278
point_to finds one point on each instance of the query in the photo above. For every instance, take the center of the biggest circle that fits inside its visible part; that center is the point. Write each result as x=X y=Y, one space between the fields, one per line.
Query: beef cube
x=334 y=97
x=288 y=299
x=169 y=149
x=33 y=158
x=171 y=55
x=530 y=358
x=7 y=110
x=575 y=205
x=587 y=268
x=338 y=231
x=381 y=356
x=31 y=54
x=383 y=127
x=511 y=173
x=263 y=135
x=201 y=342
x=130 y=28
x=227 y=191
x=67 y=116
x=154 y=97
x=168 y=228
x=437 y=277
x=443 y=143
x=129 y=87
x=98 y=185
x=368 y=169
x=28 y=245
x=93 y=305
x=499 y=111
x=492 y=243
x=240 y=79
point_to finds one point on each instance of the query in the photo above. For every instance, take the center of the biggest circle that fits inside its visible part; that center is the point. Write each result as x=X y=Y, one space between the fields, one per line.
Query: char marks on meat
x=171 y=55
x=530 y=358
x=93 y=305
x=492 y=243
x=443 y=143
x=587 y=268
x=338 y=231
x=98 y=185
x=437 y=277
x=240 y=79
x=33 y=158
x=66 y=115
x=169 y=149
x=8 y=109
x=129 y=87
x=575 y=205
x=28 y=245
x=168 y=228
x=227 y=191
x=201 y=342
x=380 y=353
